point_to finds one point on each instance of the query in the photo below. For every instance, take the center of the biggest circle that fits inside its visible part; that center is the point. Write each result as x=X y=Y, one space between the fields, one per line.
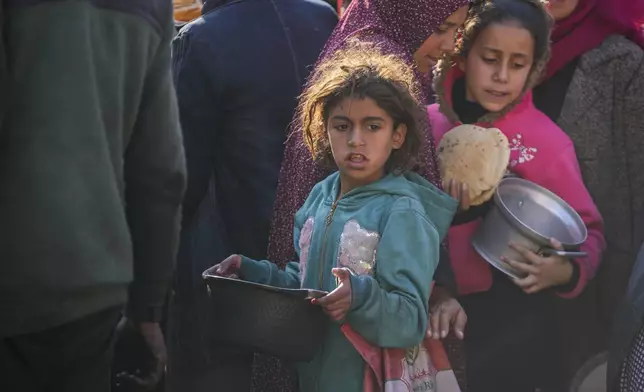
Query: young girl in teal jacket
x=369 y=233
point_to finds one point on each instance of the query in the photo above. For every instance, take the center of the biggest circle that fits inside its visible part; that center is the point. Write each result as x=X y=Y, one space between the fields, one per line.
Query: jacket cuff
x=472 y=214
x=577 y=281
x=360 y=290
x=252 y=270
x=444 y=274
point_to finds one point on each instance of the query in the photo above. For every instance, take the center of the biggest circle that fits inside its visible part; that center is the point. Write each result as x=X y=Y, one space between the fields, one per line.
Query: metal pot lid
x=540 y=213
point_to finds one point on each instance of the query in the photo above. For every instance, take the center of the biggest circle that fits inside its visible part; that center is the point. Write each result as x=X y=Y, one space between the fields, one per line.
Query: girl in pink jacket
x=502 y=53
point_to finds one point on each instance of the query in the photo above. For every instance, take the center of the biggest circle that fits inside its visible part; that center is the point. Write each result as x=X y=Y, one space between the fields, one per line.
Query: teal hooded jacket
x=388 y=234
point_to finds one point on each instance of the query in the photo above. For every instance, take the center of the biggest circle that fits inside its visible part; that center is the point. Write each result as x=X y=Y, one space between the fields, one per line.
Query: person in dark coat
x=238 y=71
x=593 y=89
x=93 y=173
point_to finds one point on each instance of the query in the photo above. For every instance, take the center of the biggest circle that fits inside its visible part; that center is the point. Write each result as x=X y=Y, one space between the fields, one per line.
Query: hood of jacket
x=438 y=206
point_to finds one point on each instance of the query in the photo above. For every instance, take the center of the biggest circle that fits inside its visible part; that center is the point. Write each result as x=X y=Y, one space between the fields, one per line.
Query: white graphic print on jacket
x=519 y=152
x=305 y=244
x=358 y=248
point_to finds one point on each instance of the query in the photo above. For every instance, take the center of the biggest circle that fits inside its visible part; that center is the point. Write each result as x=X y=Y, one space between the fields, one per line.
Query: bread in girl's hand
x=475 y=156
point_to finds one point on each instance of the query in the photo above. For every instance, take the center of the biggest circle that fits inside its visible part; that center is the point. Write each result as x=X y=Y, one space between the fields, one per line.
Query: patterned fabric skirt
x=273 y=375
x=632 y=377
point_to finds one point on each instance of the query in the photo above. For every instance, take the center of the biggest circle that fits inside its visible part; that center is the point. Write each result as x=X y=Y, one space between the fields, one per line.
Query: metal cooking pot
x=529 y=215
x=266 y=319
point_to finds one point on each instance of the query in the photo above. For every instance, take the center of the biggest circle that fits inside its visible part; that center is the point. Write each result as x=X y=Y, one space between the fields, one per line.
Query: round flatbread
x=483 y=197
x=475 y=156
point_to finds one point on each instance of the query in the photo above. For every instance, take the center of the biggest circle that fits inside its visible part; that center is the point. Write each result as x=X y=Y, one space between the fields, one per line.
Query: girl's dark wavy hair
x=531 y=15
x=361 y=71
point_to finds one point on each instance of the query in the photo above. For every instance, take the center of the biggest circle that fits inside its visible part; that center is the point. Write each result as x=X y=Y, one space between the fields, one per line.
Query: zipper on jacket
x=327 y=223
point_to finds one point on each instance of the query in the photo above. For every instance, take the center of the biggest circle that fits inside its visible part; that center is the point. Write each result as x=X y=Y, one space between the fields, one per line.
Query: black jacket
x=238 y=71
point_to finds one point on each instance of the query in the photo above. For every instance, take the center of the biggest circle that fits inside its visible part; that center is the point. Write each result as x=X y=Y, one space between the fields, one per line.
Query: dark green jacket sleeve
x=267 y=272
x=154 y=182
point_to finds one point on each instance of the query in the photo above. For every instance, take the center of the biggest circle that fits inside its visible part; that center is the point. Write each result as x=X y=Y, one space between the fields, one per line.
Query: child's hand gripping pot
x=338 y=302
x=542 y=272
x=229 y=267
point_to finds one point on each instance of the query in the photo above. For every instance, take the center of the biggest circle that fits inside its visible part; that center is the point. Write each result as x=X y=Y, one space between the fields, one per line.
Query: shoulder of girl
x=324 y=186
x=408 y=206
x=538 y=128
x=315 y=196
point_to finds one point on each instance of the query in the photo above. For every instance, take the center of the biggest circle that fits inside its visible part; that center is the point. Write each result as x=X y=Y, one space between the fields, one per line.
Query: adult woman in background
x=417 y=31
x=594 y=90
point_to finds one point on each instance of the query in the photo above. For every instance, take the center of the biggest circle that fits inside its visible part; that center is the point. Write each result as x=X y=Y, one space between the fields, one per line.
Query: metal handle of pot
x=562 y=253
x=315 y=294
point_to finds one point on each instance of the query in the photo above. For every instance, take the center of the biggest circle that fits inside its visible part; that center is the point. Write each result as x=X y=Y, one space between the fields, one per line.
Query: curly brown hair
x=361 y=70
